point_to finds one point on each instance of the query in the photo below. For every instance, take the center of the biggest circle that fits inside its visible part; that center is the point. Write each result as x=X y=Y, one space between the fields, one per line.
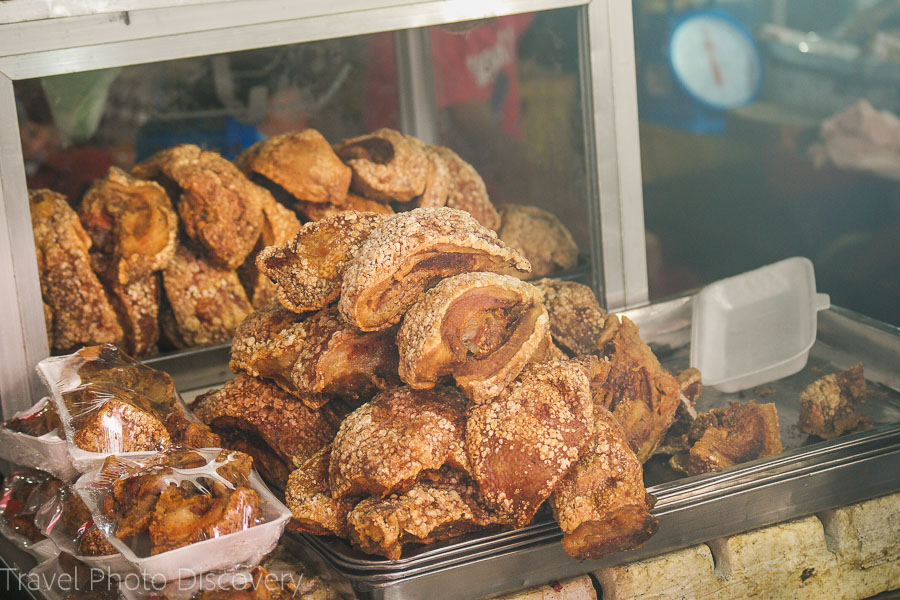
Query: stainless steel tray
x=808 y=477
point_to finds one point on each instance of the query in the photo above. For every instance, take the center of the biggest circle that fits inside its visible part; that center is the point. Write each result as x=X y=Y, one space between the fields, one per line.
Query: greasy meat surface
x=131 y=221
x=266 y=344
x=722 y=437
x=132 y=501
x=137 y=306
x=409 y=253
x=315 y=211
x=183 y=517
x=219 y=207
x=309 y=269
x=81 y=311
x=827 y=405
x=262 y=411
x=386 y=164
x=601 y=505
x=119 y=426
x=301 y=162
x=641 y=394
x=308 y=495
x=522 y=444
x=467 y=189
x=383 y=445
x=481 y=328
x=430 y=511
x=38 y=423
x=280 y=225
x=437 y=182
x=208 y=302
x=92 y=543
x=540 y=236
x=336 y=359
x=578 y=323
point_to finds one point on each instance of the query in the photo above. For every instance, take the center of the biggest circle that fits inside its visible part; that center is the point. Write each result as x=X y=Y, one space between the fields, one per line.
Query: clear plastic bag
x=23 y=493
x=34 y=438
x=110 y=404
x=65 y=577
x=181 y=513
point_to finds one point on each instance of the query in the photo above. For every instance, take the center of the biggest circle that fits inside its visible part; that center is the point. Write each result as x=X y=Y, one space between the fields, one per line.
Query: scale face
x=715 y=60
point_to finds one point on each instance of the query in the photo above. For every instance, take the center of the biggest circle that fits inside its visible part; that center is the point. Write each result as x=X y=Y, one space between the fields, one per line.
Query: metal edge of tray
x=804 y=465
x=195 y=368
x=684 y=521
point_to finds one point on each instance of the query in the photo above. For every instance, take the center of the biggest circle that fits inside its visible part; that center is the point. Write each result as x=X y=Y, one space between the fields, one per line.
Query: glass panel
x=801 y=158
x=508 y=102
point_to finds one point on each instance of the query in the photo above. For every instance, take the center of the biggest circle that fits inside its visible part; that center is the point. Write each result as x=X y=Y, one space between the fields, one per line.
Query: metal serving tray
x=808 y=477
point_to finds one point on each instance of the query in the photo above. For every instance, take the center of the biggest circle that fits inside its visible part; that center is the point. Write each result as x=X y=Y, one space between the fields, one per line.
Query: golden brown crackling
x=136 y=304
x=433 y=344
x=301 y=162
x=219 y=207
x=82 y=313
x=257 y=407
x=409 y=253
x=578 y=323
x=382 y=446
x=338 y=360
x=208 y=302
x=386 y=164
x=467 y=189
x=522 y=444
x=722 y=437
x=310 y=268
x=642 y=395
x=540 y=236
x=93 y=543
x=309 y=497
x=133 y=222
x=601 y=504
x=432 y=510
x=438 y=182
x=119 y=426
x=313 y=211
x=266 y=344
x=828 y=405
x=280 y=225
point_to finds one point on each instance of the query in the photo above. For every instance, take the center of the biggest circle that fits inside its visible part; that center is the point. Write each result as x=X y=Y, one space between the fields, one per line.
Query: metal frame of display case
x=66 y=37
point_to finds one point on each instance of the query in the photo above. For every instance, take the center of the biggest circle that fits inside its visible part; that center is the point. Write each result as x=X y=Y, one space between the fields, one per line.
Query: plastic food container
x=231 y=552
x=756 y=327
x=47 y=452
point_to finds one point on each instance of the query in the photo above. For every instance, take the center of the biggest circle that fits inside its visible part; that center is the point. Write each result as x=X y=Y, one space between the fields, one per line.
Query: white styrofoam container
x=756 y=327
x=235 y=551
x=47 y=452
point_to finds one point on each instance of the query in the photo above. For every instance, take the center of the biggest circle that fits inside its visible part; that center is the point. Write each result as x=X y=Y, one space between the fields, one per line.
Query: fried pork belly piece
x=40 y=422
x=410 y=253
x=382 y=446
x=386 y=164
x=119 y=426
x=428 y=512
x=188 y=432
x=540 y=236
x=280 y=225
x=267 y=418
x=131 y=221
x=208 y=302
x=676 y=439
x=313 y=211
x=523 y=444
x=82 y=313
x=105 y=364
x=547 y=350
x=301 y=162
x=308 y=495
x=183 y=517
x=338 y=360
x=22 y=494
x=438 y=181
x=137 y=305
x=578 y=323
x=467 y=189
x=601 y=504
x=91 y=542
x=309 y=269
x=641 y=394
x=827 y=405
x=219 y=207
x=722 y=437
x=132 y=500
x=481 y=328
